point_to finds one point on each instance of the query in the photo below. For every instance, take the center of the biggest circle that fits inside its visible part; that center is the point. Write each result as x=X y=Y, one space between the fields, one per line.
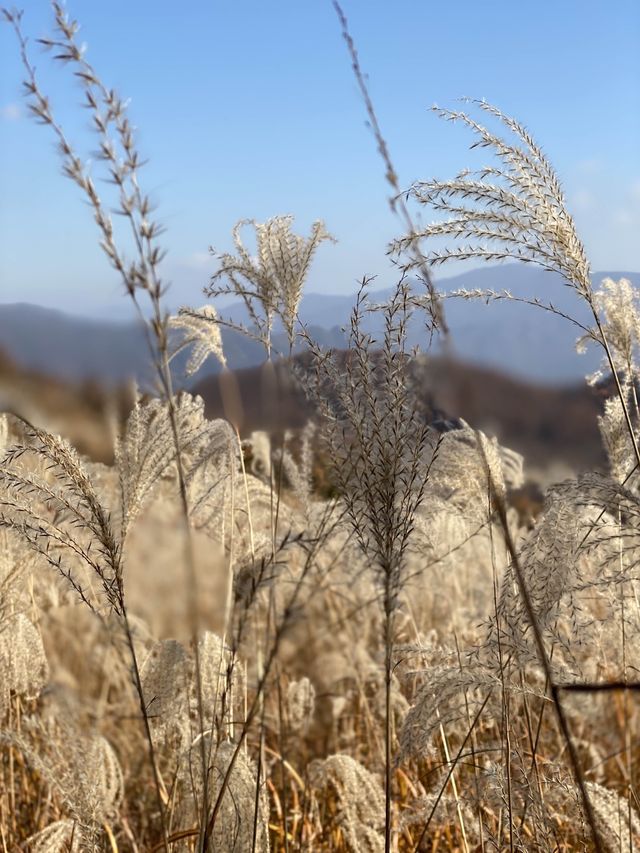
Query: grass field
x=343 y=637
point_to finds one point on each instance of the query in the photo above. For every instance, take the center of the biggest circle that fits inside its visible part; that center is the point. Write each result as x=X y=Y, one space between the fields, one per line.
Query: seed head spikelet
x=57 y=512
x=515 y=210
x=270 y=283
x=201 y=334
x=360 y=801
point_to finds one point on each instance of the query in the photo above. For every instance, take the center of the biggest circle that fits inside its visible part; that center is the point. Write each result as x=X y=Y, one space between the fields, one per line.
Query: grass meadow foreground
x=342 y=639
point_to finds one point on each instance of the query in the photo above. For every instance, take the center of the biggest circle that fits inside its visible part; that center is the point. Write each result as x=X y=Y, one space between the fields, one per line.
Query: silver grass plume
x=221 y=681
x=301 y=700
x=165 y=677
x=618 y=821
x=246 y=520
x=147 y=450
x=48 y=497
x=48 y=500
x=571 y=558
x=162 y=669
x=584 y=547
x=233 y=830
x=616 y=440
x=459 y=472
x=200 y=329
x=24 y=669
x=445 y=697
x=360 y=801
x=618 y=306
x=550 y=566
x=270 y=283
x=259 y=445
x=299 y=471
x=168 y=679
x=380 y=447
x=61 y=836
x=513 y=209
x=453 y=546
x=447 y=811
x=81 y=768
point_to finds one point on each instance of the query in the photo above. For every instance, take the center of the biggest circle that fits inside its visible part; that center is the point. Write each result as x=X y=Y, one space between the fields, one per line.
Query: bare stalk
x=396 y=201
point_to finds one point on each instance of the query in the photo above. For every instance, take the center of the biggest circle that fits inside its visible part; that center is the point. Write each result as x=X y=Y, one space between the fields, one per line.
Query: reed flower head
x=270 y=283
x=513 y=208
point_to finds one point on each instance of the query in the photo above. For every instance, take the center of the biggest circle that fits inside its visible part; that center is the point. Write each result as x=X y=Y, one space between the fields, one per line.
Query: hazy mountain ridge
x=517 y=339
x=80 y=349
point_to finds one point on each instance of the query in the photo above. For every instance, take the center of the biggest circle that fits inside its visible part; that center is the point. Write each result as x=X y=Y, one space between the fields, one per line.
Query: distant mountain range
x=80 y=349
x=517 y=339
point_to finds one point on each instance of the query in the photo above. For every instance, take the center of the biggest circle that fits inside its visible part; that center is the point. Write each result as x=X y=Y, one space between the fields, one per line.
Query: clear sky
x=248 y=108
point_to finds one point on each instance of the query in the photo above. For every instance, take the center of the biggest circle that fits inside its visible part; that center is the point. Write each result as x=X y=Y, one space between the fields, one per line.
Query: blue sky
x=247 y=108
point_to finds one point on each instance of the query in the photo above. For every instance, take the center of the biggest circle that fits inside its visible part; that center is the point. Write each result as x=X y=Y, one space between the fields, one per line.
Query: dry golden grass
x=202 y=650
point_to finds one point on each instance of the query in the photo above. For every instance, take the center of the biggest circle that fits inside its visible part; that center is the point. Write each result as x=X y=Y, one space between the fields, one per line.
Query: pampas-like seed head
x=201 y=334
x=360 y=801
x=511 y=209
x=270 y=283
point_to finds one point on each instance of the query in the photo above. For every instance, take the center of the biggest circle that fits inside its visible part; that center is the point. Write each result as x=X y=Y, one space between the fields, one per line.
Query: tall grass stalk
x=396 y=200
x=139 y=276
x=546 y=665
x=381 y=451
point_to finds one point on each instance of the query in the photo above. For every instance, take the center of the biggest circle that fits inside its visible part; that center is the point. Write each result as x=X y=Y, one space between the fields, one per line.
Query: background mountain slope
x=519 y=340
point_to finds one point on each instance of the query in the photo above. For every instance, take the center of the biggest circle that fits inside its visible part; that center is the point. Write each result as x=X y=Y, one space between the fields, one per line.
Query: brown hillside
x=548 y=425
x=80 y=412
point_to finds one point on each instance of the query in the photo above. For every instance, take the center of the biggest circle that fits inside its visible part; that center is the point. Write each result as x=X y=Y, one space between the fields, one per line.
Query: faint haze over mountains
x=518 y=340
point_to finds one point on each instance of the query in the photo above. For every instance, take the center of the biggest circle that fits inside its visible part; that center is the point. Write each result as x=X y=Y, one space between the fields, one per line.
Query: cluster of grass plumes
x=399 y=666
x=311 y=768
x=270 y=284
